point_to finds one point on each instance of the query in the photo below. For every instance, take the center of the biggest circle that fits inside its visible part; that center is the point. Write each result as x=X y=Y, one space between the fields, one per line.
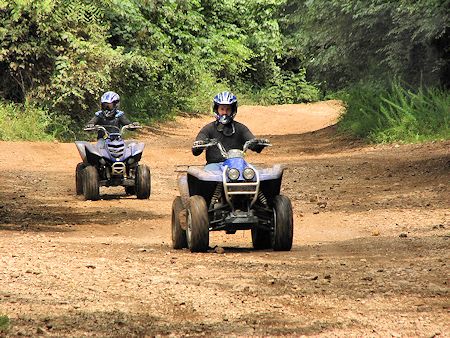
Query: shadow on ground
x=40 y=214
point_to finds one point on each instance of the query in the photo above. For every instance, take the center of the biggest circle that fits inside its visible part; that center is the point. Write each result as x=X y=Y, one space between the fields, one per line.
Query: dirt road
x=370 y=254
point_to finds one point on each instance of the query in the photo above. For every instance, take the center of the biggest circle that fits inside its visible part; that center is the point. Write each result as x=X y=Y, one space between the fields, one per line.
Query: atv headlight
x=248 y=174
x=233 y=174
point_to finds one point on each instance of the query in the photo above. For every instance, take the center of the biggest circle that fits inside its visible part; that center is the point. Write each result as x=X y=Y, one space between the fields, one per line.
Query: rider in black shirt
x=110 y=115
x=230 y=133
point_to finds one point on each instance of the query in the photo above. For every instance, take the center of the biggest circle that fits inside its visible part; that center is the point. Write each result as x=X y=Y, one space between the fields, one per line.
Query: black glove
x=259 y=144
x=89 y=126
x=263 y=141
x=199 y=143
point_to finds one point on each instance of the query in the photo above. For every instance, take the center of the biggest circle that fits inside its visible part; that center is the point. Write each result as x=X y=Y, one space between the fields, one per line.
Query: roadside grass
x=31 y=123
x=396 y=113
x=4 y=323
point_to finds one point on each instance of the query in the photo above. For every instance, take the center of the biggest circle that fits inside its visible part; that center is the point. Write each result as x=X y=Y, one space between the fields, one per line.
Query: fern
x=75 y=12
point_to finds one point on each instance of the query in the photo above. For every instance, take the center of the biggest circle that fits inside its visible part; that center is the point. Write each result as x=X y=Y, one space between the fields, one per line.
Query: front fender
x=274 y=173
x=137 y=148
x=205 y=175
x=88 y=151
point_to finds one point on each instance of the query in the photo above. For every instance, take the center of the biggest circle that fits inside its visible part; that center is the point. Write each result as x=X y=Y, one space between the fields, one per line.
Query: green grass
x=396 y=114
x=4 y=323
x=31 y=123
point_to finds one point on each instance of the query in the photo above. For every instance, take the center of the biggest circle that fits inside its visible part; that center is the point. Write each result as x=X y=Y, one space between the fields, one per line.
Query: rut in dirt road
x=370 y=253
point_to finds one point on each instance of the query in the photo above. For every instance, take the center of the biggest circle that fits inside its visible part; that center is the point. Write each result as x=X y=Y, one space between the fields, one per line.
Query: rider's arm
x=202 y=135
x=123 y=120
x=248 y=135
x=93 y=121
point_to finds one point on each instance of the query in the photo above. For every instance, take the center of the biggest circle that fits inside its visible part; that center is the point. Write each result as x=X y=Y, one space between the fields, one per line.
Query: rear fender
x=184 y=189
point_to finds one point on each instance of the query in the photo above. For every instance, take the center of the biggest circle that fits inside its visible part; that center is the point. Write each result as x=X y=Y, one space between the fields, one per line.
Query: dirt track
x=370 y=254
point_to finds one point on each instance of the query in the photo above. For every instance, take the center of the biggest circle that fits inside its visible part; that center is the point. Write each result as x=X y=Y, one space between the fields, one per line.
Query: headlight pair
x=248 y=173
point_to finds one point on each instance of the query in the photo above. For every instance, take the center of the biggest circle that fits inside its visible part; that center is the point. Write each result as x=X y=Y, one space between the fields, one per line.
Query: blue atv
x=112 y=161
x=239 y=196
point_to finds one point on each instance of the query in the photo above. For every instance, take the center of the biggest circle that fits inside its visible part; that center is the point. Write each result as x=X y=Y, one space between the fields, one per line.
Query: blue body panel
x=265 y=174
x=237 y=162
x=100 y=149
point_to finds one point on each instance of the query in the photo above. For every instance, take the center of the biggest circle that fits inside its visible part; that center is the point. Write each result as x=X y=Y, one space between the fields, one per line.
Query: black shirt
x=224 y=134
x=118 y=120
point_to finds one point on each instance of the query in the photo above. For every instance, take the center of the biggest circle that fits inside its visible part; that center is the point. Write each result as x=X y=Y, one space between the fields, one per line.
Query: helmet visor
x=108 y=106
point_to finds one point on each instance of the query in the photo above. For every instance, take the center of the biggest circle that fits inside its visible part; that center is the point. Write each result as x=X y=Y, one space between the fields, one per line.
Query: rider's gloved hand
x=196 y=147
x=199 y=143
x=259 y=144
x=135 y=124
x=90 y=126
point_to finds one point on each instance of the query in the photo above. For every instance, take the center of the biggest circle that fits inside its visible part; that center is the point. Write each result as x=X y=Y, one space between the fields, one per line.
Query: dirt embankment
x=370 y=254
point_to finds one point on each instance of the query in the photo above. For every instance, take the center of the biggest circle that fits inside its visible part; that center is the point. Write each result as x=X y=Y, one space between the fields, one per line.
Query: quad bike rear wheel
x=197 y=232
x=283 y=232
x=91 y=188
x=79 y=178
x=143 y=182
x=179 y=240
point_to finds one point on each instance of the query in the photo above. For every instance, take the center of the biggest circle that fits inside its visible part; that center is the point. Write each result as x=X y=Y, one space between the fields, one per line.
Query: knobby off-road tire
x=179 y=240
x=198 y=224
x=79 y=178
x=130 y=190
x=91 y=188
x=283 y=224
x=143 y=182
x=261 y=239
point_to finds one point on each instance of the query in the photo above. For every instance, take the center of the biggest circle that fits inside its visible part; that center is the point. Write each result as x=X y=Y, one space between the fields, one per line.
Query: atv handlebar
x=131 y=126
x=203 y=144
x=256 y=142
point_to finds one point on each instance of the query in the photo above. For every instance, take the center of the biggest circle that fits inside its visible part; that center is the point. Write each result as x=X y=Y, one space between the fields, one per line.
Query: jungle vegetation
x=388 y=61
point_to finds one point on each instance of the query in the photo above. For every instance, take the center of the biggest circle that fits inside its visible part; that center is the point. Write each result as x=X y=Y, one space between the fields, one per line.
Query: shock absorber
x=262 y=198
x=216 y=195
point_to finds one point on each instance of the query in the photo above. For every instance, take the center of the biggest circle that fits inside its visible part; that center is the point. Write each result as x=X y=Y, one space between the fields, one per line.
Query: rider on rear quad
x=231 y=134
x=110 y=115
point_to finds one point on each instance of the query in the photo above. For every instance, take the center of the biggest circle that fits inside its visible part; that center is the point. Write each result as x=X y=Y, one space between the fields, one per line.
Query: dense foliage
x=395 y=113
x=341 y=42
x=166 y=56
x=161 y=56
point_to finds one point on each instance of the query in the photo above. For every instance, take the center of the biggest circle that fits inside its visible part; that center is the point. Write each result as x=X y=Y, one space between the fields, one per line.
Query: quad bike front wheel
x=91 y=188
x=283 y=224
x=130 y=190
x=79 y=178
x=197 y=232
x=179 y=240
x=261 y=239
x=143 y=182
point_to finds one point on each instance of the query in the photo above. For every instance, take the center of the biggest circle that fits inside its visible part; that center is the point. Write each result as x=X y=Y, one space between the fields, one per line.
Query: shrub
x=31 y=123
x=395 y=113
x=4 y=323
